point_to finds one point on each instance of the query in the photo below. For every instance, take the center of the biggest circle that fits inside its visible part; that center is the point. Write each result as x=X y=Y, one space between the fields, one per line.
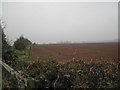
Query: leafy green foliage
x=22 y=43
x=8 y=81
x=74 y=74
x=8 y=54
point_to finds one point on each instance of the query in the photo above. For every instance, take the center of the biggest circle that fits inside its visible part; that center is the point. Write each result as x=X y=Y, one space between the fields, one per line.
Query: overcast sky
x=51 y=22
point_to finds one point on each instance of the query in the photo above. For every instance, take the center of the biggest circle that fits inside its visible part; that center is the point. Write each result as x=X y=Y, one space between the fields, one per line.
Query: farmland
x=68 y=66
x=98 y=52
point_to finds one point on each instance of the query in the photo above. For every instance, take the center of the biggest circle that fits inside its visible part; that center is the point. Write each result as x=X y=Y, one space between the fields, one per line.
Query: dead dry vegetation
x=50 y=73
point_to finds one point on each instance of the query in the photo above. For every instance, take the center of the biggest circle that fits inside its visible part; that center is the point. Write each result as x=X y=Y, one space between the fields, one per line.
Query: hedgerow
x=73 y=74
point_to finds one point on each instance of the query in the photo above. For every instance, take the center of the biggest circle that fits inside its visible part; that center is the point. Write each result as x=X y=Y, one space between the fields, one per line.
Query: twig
x=55 y=82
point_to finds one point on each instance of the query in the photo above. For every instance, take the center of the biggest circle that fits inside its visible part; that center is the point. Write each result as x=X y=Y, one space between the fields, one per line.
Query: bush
x=73 y=74
x=8 y=80
x=8 y=54
x=22 y=43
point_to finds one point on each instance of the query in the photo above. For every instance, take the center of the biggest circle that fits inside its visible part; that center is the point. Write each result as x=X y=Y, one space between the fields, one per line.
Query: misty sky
x=55 y=22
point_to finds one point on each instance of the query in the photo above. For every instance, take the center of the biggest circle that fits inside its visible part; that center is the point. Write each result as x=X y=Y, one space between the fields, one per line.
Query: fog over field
x=49 y=22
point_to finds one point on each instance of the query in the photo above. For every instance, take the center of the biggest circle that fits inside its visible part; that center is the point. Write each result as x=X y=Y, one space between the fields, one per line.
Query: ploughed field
x=99 y=52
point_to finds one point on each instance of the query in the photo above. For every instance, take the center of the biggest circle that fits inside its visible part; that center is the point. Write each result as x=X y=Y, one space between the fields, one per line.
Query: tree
x=22 y=43
x=8 y=54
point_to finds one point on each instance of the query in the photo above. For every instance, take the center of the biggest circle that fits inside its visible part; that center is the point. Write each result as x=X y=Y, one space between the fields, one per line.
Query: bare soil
x=100 y=52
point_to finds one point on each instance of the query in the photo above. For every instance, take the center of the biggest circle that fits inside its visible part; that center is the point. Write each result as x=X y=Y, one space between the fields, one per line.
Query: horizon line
x=78 y=42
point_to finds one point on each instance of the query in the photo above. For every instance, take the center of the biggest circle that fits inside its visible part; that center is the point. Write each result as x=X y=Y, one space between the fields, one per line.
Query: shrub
x=22 y=43
x=8 y=54
x=73 y=74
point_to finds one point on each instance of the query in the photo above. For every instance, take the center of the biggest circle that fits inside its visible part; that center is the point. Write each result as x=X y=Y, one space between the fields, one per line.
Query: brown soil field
x=100 y=52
